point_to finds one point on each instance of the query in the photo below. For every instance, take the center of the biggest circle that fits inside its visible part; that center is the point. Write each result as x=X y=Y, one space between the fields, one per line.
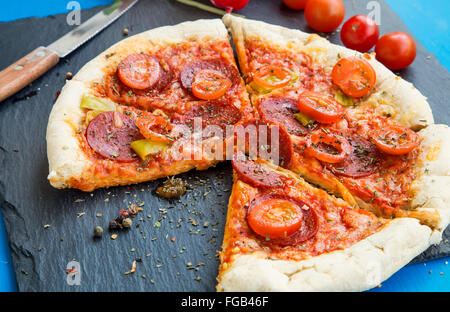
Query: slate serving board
x=196 y=221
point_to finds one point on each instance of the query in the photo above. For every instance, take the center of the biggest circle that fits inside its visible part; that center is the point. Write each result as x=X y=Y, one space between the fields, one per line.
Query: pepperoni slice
x=211 y=113
x=255 y=174
x=139 y=71
x=279 y=152
x=307 y=229
x=363 y=160
x=218 y=65
x=281 y=110
x=110 y=135
x=165 y=77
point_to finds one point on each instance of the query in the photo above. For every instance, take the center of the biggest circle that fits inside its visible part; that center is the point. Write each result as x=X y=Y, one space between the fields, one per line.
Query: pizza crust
x=68 y=164
x=65 y=157
x=391 y=93
x=203 y=30
x=430 y=190
x=360 y=267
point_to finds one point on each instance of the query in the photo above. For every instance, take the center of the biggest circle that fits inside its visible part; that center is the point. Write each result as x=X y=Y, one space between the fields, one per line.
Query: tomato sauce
x=339 y=225
x=386 y=187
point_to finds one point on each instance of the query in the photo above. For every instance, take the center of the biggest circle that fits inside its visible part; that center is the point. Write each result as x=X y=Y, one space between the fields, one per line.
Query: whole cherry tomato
x=295 y=4
x=324 y=15
x=396 y=50
x=360 y=33
x=230 y=5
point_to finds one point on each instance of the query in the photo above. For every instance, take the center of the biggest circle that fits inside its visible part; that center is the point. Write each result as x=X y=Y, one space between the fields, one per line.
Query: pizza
x=350 y=120
x=340 y=174
x=129 y=115
x=283 y=234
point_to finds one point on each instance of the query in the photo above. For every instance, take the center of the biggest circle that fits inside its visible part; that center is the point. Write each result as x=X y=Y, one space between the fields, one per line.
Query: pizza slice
x=352 y=122
x=153 y=105
x=283 y=234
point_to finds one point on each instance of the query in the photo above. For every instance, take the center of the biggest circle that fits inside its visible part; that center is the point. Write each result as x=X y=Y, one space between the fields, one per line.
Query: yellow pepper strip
x=97 y=104
x=343 y=99
x=303 y=119
x=147 y=147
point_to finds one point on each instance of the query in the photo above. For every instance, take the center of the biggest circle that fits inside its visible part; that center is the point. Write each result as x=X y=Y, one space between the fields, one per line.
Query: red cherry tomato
x=320 y=107
x=355 y=76
x=360 y=33
x=139 y=71
x=210 y=84
x=328 y=148
x=295 y=4
x=324 y=15
x=396 y=50
x=275 y=218
x=230 y=5
x=270 y=76
x=154 y=127
x=396 y=140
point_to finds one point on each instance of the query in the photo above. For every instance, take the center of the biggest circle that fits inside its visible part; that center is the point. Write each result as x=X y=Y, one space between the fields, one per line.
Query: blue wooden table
x=427 y=19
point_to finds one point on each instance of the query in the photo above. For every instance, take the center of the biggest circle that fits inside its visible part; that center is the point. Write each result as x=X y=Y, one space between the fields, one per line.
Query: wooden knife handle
x=26 y=70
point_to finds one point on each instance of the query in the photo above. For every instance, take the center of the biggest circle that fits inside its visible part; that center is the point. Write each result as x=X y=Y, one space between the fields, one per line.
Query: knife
x=33 y=65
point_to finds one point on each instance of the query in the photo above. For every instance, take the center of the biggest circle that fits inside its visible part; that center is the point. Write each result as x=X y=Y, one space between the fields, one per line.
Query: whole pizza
x=340 y=174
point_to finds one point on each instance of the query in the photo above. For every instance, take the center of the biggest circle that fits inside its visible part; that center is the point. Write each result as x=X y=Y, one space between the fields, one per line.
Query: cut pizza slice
x=153 y=105
x=283 y=234
x=350 y=120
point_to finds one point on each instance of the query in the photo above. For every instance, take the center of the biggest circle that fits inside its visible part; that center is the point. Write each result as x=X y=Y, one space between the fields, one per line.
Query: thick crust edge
x=392 y=94
x=430 y=190
x=68 y=164
x=360 y=267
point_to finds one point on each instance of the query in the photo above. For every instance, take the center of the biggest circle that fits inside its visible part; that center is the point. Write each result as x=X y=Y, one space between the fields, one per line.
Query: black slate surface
x=28 y=202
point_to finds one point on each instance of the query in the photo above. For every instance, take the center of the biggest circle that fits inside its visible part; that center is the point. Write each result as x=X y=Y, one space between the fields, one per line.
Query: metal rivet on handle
x=40 y=53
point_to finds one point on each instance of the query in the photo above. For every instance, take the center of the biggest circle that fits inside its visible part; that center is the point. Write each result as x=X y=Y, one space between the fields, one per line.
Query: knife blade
x=36 y=63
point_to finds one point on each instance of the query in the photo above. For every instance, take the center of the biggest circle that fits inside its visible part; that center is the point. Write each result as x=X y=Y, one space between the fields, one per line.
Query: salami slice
x=307 y=230
x=281 y=110
x=220 y=113
x=256 y=174
x=227 y=70
x=110 y=135
x=279 y=152
x=363 y=161
x=165 y=77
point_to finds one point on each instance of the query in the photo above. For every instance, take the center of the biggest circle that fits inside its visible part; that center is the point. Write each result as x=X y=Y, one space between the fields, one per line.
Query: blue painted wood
x=427 y=20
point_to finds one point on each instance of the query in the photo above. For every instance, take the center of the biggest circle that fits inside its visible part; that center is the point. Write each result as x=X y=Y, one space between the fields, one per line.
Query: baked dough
x=360 y=267
x=68 y=164
x=391 y=94
x=408 y=106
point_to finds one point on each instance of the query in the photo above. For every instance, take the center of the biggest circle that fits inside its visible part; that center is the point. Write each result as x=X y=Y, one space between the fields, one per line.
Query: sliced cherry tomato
x=139 y=71
x=321 y=108
x=324 y=15
x=275 y=218
x=355 y=76
x=271 y=77
x=210 y=84
x=328 y=148
x=154 y=127
x=396 y=50
x=396 y=140
x=360 y=33
x=295 y=4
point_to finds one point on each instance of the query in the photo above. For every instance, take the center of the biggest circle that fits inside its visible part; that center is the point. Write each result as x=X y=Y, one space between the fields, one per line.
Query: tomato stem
x=208 y=8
